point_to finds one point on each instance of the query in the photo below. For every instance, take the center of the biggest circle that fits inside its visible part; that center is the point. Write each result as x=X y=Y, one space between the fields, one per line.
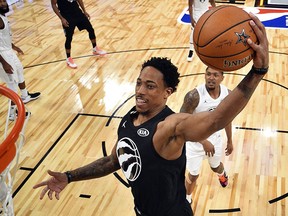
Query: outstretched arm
x=59 y=180
x=199 y=126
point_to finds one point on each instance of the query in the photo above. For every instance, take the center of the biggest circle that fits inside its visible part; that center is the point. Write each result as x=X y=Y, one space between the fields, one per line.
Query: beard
x=4 y=10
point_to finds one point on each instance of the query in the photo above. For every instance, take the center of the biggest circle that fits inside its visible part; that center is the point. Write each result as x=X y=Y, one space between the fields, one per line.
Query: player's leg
x=191 y=47
x=86 y=24
x=194 y=155
x=69 y=31
x=18 y=70
x=215 y=161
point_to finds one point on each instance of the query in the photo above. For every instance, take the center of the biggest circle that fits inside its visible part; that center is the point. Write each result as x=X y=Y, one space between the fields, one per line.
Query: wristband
x=260 y=71
x=69 y=176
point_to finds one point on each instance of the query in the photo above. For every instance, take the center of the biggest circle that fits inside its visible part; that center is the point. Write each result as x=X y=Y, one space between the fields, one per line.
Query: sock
x=221 y=174
x=24 y=93
x=94 y=48
x=12 y=109
x=94 y=44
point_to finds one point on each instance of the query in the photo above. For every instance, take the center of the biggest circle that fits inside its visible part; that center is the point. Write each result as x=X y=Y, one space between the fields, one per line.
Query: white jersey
x=5 y=35
x=201 y=5
x=206 y=102
x=194 y=150
x=199 y=8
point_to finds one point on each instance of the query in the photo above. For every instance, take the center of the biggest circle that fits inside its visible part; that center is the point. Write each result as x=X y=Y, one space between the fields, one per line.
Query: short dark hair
x=218 y=70
x=167 y=68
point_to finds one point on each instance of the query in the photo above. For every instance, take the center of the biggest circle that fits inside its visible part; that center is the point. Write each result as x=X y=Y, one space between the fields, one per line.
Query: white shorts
x=11 y=58
x=195 y=154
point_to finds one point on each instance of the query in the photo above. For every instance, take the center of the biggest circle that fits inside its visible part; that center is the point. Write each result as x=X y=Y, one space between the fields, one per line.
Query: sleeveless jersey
x=157 y=184
x=70 y=10
x=5 y=35
x=206 y=102
x=201 y=5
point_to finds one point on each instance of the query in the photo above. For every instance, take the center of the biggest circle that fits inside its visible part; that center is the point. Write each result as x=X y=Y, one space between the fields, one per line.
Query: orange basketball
x=220 y=38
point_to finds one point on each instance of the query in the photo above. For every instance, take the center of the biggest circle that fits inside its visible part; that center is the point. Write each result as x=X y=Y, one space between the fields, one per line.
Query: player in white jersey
x=206 y=97
x=11 y=69
x=196 y=9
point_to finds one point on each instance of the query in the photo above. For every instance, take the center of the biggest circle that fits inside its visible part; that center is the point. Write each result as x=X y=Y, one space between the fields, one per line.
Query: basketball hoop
x=8 y=150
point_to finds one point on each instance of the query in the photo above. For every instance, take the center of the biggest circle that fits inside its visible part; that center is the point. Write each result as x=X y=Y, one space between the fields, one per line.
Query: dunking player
x=196 y=9
x=151 y=138
x=206 y=97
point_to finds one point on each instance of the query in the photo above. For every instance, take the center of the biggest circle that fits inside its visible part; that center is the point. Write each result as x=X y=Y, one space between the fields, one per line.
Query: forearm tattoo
x=96 y=169
x=191 y=101
x=249 y=80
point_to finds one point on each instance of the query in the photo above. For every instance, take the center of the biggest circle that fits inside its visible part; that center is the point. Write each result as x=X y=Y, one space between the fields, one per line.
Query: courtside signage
x=270 y=17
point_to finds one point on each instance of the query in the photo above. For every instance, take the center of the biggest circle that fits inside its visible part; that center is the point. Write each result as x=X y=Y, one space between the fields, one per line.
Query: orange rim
x=8 y=146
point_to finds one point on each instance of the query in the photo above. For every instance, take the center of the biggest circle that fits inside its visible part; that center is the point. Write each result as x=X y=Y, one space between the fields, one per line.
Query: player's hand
x=18 y=50
x=87 y=15
x=261 y=56
x=55 y=184
x=65 y=23
x=229 y=148
x=193 y=23
x=208 y=148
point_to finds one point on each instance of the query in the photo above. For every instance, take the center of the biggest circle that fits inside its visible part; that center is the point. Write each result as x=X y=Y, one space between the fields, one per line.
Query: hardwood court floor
x=79 y=110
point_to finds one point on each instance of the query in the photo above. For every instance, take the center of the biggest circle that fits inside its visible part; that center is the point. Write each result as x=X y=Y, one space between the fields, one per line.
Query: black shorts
x=81 y=23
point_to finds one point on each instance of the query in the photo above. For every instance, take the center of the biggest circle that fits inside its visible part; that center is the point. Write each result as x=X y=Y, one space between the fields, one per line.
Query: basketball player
x=206 y=97
x=151 y=138
x=11 y=69
x=196 y=9
x=72 y=16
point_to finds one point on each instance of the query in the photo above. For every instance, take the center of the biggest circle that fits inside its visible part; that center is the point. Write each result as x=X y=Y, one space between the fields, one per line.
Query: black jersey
x=157 y=184
x=71 y=11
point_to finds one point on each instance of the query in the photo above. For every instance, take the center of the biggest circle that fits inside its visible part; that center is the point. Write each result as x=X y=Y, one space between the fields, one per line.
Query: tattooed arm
x=191 y=101
x=199 y=126
x=96 y=169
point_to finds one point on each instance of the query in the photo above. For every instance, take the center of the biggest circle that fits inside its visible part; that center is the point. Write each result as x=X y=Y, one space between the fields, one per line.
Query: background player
x=72 y=16
x=196 y=9
x=11 y=69
x=206 y=97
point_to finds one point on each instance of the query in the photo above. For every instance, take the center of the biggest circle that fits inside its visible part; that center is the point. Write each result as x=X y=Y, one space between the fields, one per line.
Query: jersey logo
x=211 y=109
x=124 y=124
x=129 y=158
x=143 y=132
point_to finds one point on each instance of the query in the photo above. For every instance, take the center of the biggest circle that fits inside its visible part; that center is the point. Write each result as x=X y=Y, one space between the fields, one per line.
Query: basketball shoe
x=70 y=63
x=223 y=179
x=13 y=115
x=98 y=51
x=30 y=97
x=190 y=55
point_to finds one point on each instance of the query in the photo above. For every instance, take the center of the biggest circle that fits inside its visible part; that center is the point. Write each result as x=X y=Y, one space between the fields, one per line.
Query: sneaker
x=30 y=97
x=70 y=63
x=223 y=180
x=13 y=115
x=98 y=51
x=190 y=55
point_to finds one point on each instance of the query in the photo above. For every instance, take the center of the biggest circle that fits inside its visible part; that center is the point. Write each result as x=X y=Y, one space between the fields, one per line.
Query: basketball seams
x=217 y=9
x=220 y=38
x=227 y=29
x=224 y=56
